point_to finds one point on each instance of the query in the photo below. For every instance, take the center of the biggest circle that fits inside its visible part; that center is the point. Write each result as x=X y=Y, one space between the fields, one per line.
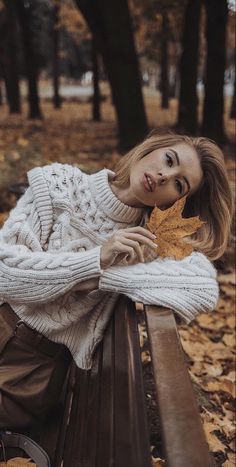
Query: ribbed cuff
x=86 y=265
x=112 y=281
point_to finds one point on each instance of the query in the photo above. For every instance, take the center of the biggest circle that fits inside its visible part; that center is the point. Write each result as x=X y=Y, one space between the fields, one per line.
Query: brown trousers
x=32 y=372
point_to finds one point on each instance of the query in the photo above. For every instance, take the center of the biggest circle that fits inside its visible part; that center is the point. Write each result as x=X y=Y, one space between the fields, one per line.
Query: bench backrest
x=102 y=420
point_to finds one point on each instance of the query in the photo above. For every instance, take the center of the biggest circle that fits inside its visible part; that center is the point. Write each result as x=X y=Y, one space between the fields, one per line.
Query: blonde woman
x=75 y=242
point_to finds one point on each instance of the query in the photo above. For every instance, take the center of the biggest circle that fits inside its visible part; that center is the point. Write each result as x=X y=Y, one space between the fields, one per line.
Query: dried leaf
x=15 y=156
x=214 y=443
x=22 y=142
x=231 y=322
x=229 y=463
x=228 y=290
x=231 y=376
x=158 y=462
x=145 y=356
x=232 y=445
x=229 y=340
x=3 y=217
x=221 y=385
x=213 y=370
x=207 y=321
x=170 y=228
x=229 y=278
x=220 y=423
x=18 y=462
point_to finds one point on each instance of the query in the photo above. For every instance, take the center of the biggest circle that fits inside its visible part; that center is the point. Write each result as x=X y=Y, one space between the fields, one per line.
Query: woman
x=75 y=242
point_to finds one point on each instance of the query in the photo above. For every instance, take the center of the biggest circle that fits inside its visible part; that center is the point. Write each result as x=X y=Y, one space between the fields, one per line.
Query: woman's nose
x=163 y=178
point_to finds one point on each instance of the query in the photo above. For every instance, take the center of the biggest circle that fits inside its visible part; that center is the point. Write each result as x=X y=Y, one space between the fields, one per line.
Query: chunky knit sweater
x=51 y=242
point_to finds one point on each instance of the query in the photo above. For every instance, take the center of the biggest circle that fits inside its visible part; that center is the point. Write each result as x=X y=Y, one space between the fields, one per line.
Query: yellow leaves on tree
x=170 y=228
x=71 y=19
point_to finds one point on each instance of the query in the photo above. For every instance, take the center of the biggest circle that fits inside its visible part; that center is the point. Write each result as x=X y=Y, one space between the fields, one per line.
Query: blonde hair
x=212 y=202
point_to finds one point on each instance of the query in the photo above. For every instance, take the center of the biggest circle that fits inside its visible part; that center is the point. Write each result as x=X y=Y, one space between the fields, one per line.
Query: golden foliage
x=170 y=228
x=71 y=19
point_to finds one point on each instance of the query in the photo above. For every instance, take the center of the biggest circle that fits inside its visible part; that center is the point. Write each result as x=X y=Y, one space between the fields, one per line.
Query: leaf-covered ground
x=69 y=136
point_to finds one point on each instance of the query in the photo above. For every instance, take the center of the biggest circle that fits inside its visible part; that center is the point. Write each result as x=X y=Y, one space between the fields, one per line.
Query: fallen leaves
x=3 y=217
x=18 y=462
x=209 y=343
x=158 y=462
x=170 y=228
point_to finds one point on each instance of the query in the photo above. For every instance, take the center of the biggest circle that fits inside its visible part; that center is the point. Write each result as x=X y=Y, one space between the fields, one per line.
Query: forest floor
x=70 y=136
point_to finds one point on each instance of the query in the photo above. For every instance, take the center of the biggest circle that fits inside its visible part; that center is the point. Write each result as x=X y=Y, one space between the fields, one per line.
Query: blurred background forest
x=81 y=82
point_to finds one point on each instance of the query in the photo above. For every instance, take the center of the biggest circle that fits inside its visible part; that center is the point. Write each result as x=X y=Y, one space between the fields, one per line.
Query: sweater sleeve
x=188 y=286
x=28 y=273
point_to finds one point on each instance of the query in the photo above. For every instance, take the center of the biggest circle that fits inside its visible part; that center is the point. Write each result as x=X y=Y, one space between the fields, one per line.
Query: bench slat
x=75 y=428
x=106 y=396
x=81 y=442
x=131 y=437
x=105 y=453
x=184 y=441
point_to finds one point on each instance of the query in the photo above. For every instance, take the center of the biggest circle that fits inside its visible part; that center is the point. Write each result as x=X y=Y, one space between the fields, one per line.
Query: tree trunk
x=187 y=114
x=24 y=15
x=233 y=106
x=1 y=97
x=164 y=62
x=9 y=54
x=110 y=22
x=96 y=91
x=56 y=38
x=213 y=113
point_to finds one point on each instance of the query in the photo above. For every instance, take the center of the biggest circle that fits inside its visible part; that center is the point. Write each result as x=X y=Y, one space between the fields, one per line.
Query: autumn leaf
x=18 y=462
x=22 y=142
x=170 y=228
x=158 y=462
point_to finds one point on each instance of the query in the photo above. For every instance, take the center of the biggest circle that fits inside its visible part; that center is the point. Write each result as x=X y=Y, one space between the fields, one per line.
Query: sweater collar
x=108 y=201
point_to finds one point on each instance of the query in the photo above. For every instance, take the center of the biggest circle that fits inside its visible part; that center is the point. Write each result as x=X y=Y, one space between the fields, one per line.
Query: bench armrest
x=182 y=432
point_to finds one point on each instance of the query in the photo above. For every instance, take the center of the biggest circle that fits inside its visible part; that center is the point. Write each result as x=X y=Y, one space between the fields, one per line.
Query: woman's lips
x=145 y=183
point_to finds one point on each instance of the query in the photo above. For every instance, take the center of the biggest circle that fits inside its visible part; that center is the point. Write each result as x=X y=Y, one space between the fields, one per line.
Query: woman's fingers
x=135 y=246
x=126 y=242
x=140 y=230
x=120 y=247
x=141 y=239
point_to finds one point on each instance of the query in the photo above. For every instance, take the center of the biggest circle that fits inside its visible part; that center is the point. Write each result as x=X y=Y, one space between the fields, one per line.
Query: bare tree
x=164 y=61
x=233 y=106
x=24 y=10
x=110 y=23
x=56 y=38
x=213 y=113
x=96 y=91
x=9 y=55
x=187 y=115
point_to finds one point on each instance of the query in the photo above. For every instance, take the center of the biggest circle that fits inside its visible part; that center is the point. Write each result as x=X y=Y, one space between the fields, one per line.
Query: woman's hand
x=126 y=244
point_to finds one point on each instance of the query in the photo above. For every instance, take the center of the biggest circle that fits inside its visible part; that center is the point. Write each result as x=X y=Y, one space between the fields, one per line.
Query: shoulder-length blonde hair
x=212 y=202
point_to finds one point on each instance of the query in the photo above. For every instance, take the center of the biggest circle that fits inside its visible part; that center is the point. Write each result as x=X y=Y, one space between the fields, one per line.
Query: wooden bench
x=102 y=420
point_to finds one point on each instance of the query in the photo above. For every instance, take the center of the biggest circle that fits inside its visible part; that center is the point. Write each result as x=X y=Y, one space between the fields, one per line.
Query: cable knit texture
x=51 y=242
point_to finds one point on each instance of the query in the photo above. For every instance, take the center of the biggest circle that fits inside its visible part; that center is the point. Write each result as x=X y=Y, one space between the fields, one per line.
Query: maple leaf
x=170 y=228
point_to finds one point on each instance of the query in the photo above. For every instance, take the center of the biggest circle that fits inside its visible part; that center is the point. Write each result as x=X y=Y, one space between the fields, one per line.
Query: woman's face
x=165 y=175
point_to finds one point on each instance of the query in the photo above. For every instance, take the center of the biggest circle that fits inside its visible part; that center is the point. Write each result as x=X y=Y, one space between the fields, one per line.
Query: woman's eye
x=179 y=186
x=169 y=160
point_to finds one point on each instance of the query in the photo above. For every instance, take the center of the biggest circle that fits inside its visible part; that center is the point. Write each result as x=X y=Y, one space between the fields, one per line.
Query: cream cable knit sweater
x=52 y=241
